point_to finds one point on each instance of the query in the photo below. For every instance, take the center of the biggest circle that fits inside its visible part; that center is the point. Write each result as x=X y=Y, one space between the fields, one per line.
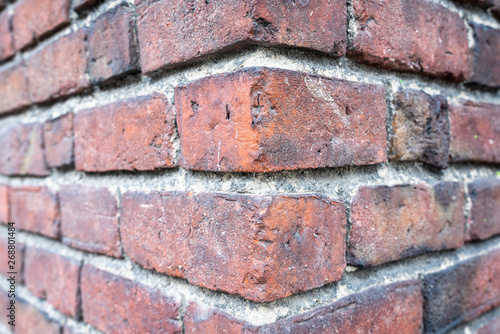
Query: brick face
x=14 y=92
x=58 y=141
x=18 y=260
x=484 y=220
x=4 y=203
x=486 y=63
x=34 y=320
x=6 y=42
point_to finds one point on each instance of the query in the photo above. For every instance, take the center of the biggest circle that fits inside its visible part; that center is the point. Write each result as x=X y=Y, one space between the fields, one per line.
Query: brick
x=6 y=42
x=484 y=220
x=59 y=69
x=475 y=132
x=461 y=293
x=259 y=247
x=4 y=203
x=137 y=133
x=34 y=19
x=30 y=320
x=410 y=36
x=89 y=219
x=421 y=128
x=394 y=308
x=35 y=209
x=392 y=223
x=18 y=260
x=262 y=120
x=22 y=150
x=174 y=32
x=58 y=141
x=14 y=89
x=55 y=278
x=486 y=62
x=491 y=327
x=112 y=45
x=126 y=306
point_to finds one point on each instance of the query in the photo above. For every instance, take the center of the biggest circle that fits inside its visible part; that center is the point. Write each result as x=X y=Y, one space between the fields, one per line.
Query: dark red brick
x=18 y=258
x=484 y=220
x=137 y=134
x=14 y=92
x=55 y=278
x=35 y=209
x=461 y=293
x=475 y=132
x=115 y=304
x=263 y=120
x=58 y=141
x=112 y=45
x=6 y=42
x=4 y=203
x=174 y=32
x=420 y=128
x=392 y=223
x=486 y=64
x=259 y=247
x=411 y=36
x=89 y=219
x=492 y=327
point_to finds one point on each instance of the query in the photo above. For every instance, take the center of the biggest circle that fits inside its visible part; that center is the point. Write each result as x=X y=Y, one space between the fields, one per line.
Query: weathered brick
x=475 y=132
x=484 y=220
x=137 y=134
x=21 y=151
x=259 y=247
x=4 y=203
x=59 y=69
x=30 y=320
x=89 y=219
x=6 y=43
x=114 y=304
x=262 y=120
x=112 y=45
x=35 y=209
x=391 y=223
x=14 y=92
x=34 y=19
x=421 y=128
x=412 y=36
x=18 y=258
x=492 y=327
x=461 y=293
x=55 y=278
x=174 y=32
x=486 y=64
x=58 y=141
x=394 y=308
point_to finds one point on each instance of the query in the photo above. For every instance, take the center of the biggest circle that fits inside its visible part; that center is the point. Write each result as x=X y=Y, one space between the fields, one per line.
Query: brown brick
x=492 y=327
x=484 y=220
x=475 y=132
x=461 y=293
x=35 y=209
x=58 y=141
x=125 y=306
x=112 y=45
x=89 y=219
x=137 y=133
x=55 y=278
x=411 y=36
x=34 y=19
x=59 y=69
x=263 y=120
x=486 y=65
x=392 y=223
x=30 y=320
x=394 y=308
x=173 y=32
x=22 y=150
x=13 y=89
x=421 y=128
x=6 y=43
x=259 y=247
x=18 y=259
x=4 y=203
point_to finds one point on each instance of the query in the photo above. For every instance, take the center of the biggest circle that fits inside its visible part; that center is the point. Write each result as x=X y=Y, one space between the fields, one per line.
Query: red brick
x=492 y=327
x=484 y=220
x=411 y=36
x=174 y=32
x=13 y=89
x=115 y=304
x=392 y=223
x=112 y=45
x=30 y=320
x=6 y=43
x=263 y=120
x=4 y=203
x=22 y=150
x=461 y=293
x=137 y=134
x=89 y=219
x=394 y=308
x=58 y=141
x=475 y=132
x=486 y=65
x=18 y=258
x=55 y=278
x=59 y=69
x=259 y=247
x=34 y=19
x=35 y=209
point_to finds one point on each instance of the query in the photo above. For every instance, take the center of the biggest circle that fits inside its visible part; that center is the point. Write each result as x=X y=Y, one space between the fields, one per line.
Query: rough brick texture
x=4 y=203
x=58 y=141
x=137 y=133
x=89 y=219
x=6 y=42
x=262 y=120
x=34 y=321
x=18 y=261
x=261 y=247
x=14 y=92
x=484 y=220
x=486 y=63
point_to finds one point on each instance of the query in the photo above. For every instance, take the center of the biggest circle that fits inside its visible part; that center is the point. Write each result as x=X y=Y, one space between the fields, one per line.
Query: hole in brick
x=347 y=110
x=195 y=106
x=228 y=112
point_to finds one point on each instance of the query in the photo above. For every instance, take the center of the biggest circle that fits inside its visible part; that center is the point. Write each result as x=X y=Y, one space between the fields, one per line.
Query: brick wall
x=253 y=166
